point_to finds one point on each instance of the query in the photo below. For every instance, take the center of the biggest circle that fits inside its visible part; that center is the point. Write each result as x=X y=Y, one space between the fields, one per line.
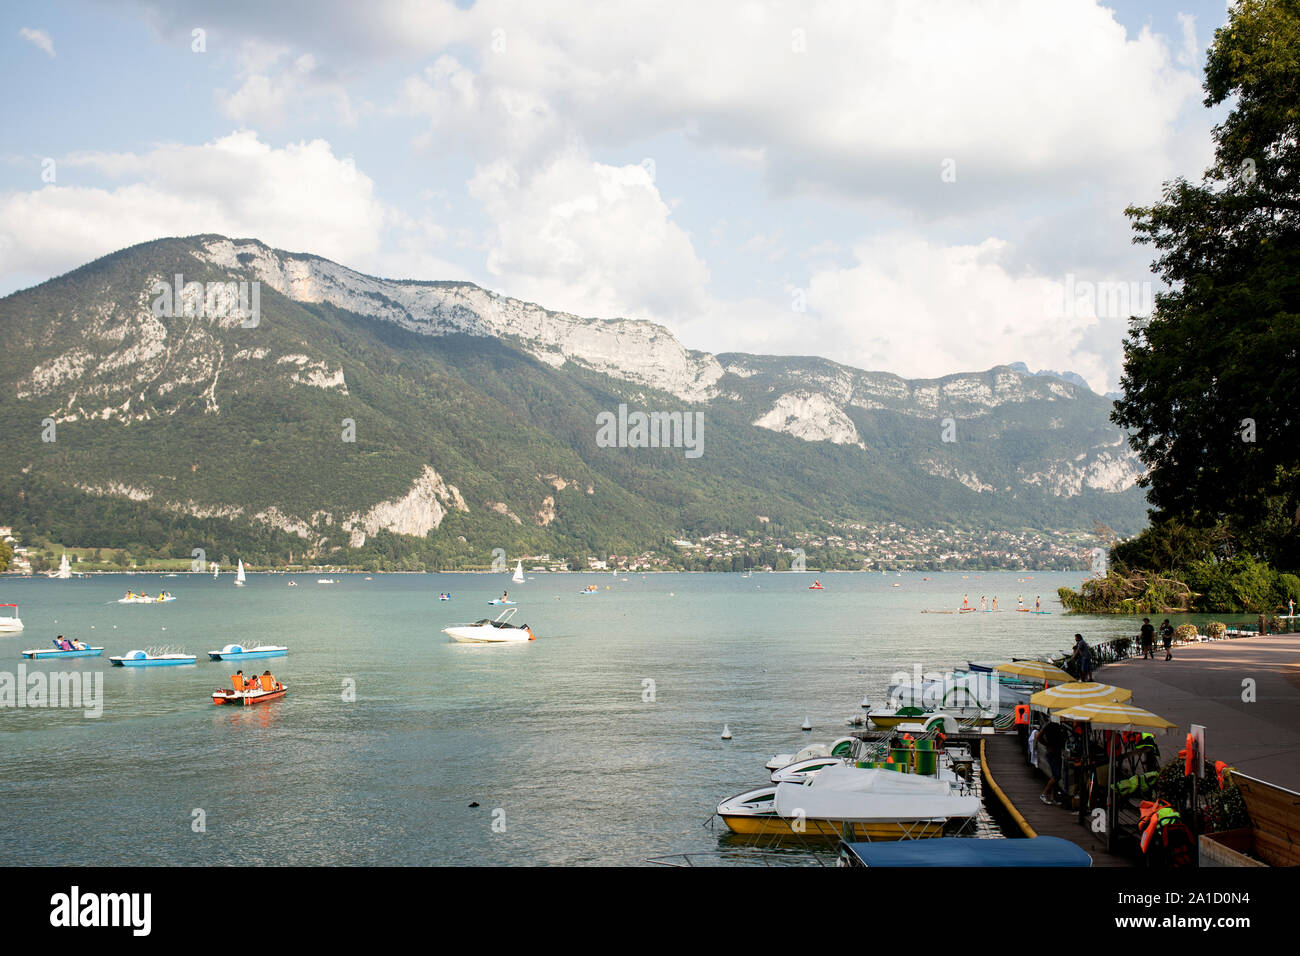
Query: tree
x=1211 y=384
x=6 y=554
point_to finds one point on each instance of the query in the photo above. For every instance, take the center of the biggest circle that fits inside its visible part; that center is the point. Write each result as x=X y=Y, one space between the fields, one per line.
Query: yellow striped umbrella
x=1116 y=716
x=1078 y=692
x=1035 y=670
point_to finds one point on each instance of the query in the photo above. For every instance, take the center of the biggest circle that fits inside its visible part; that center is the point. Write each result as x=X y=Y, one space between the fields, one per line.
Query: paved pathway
x=1203 y=684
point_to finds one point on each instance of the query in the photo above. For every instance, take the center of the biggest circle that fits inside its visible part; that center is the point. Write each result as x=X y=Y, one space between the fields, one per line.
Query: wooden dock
x=1022 y=784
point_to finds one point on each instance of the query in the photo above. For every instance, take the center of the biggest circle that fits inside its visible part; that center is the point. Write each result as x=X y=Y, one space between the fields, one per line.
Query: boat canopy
x=967 y=851
x=872 y=795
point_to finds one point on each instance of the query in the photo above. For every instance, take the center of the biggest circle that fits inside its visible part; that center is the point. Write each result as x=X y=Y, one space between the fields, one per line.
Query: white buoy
x=726 y=732
x=807 y=724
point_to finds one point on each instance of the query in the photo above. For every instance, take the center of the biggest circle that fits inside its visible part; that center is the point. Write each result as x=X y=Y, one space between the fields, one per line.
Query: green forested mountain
x=473 y=421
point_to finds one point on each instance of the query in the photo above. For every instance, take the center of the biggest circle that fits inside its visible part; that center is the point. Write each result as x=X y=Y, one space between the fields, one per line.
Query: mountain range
x=354 y=416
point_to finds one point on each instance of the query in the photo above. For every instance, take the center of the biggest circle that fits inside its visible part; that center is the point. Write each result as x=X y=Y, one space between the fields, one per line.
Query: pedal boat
x=142 y=659
x=40 y=654
x=237 y=652
x=851 y=802
x=247 y=693
x=500 y=631
x=141 y=599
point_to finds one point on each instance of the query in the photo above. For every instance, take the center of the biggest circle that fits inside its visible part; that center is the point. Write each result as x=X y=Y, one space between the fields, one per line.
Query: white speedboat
x=500 y=631
x=326 y=581
x=10 y=622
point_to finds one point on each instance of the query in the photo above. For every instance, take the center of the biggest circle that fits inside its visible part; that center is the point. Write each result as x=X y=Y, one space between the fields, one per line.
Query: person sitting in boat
x=61 y=643
x=77 y=645
x=268 y=681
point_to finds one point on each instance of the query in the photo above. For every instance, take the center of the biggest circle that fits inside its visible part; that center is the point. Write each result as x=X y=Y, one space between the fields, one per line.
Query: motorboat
x=40 y=654
x=326 y=581
x=499 y=631
x=843 y=747
x=256 y=690
x=500 y=601
x=144 y=659
x=237 y=652
x=133 y=598
x=10 y=623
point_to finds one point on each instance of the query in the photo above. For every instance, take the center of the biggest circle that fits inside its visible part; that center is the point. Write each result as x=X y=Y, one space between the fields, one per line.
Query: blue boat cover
x=969 y=851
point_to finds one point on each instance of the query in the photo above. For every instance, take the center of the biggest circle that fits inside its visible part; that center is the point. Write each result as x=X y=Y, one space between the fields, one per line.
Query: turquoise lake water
x=552 y=738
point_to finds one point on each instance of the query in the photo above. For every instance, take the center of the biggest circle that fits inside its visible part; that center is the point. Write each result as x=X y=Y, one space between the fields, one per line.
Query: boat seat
x=268 y=683
x=236 y=682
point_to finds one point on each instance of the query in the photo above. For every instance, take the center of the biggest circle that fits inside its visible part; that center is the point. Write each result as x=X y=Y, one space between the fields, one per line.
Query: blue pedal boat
x=237 y=652
x=40 y=655
x=142 y=659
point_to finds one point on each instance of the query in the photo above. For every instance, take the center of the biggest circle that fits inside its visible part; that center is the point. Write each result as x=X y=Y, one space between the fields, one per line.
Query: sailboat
x=216 y=569
x=239 y=575
x=518 y=576
x=65 y=569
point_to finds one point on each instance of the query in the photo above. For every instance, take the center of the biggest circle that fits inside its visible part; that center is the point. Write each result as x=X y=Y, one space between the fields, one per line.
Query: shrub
x=1216 y=629
x=1185 y=632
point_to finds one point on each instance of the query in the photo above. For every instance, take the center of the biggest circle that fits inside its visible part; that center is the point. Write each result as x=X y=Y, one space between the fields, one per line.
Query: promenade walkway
x=1203 y=684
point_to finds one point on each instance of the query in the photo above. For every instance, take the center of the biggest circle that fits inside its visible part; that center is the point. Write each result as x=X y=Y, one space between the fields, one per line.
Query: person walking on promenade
x=1148 y=638
x=1167 y=638
x=1053 y=738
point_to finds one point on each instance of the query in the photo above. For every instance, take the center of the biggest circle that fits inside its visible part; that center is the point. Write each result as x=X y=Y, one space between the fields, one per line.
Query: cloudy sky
x=916 y=186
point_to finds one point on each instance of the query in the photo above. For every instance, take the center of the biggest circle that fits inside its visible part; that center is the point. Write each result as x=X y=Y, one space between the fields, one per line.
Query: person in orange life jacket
x=1022 y=729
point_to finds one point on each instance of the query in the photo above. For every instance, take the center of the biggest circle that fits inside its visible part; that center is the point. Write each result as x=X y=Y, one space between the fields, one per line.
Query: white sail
x=216 y=569
x=518 y=577
x=65 y=569
x=239 y=575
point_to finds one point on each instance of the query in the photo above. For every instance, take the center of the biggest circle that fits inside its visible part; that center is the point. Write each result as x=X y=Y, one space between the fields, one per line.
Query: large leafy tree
x=1211 y=382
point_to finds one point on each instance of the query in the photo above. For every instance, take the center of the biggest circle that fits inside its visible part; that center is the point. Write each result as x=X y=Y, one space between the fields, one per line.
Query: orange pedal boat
x=248 y=692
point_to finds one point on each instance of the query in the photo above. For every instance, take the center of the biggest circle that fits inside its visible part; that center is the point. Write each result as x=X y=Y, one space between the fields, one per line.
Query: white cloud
x=275 y=82
x=1190 y=53
x=301 y=198
x=590 y=239
x=39 y=39
x=921 y=310
x=1025 y=96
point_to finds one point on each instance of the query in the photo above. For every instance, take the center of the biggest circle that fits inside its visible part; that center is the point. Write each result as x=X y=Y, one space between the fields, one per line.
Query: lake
x=598 y=743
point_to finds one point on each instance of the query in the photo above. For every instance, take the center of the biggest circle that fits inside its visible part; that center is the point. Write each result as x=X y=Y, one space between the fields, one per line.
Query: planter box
x=1228 y=848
